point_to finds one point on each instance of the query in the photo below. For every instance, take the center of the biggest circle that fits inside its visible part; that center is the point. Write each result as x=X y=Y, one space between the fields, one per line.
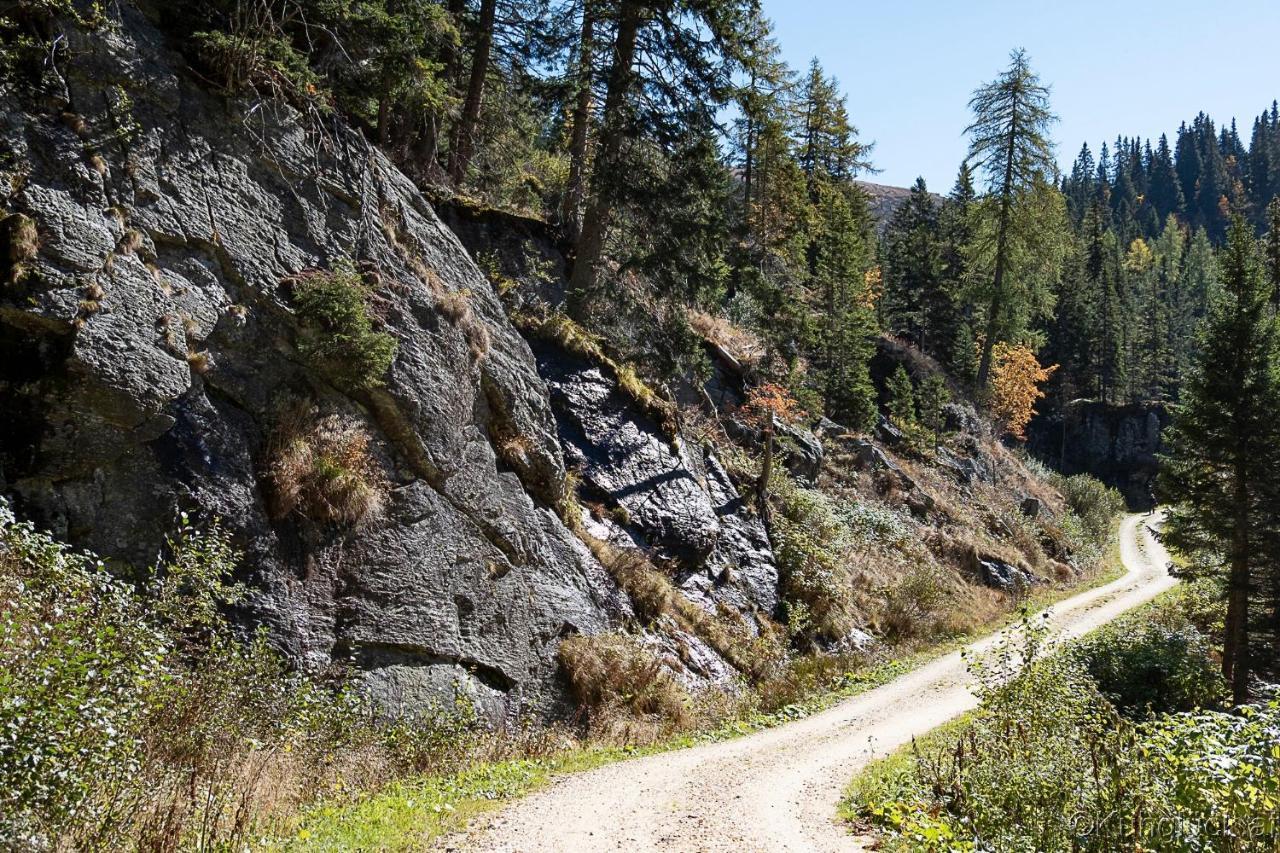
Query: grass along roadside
x=881 y=797
x=412 y=814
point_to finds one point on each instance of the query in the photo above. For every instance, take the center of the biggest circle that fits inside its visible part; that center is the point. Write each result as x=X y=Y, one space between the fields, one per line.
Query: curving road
x=778 y=789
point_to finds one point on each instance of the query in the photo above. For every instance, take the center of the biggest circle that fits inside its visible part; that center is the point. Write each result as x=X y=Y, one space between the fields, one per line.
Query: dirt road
x=778 y=789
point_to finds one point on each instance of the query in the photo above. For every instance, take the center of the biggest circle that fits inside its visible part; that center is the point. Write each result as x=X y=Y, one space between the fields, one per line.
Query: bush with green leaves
x=1048 y=763
x=338 y=337
x=1095 y=503
x=134 y=716
x=809 y=544
x=76 y=658
x=1147 y=667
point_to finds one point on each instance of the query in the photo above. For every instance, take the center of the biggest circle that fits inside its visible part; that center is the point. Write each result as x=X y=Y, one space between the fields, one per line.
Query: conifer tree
x=1222 y=447
x=951 y=331
x=913 y=270
x=1271 y=256
x=933 y=397
x=1009 y=143
x=842 y=261
x=901 y=398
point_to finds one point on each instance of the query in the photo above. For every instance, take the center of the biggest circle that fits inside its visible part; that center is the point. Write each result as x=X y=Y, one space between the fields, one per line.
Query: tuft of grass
x=200 y=361
x=21 y=241
x=629 y=695
x=129 y=242
x=321 y=467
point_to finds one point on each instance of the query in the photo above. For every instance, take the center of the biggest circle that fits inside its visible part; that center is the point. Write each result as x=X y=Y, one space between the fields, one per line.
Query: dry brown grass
x=741 y=344
x=321 y=468
x=628 y=693
x=572 y=337
x=21 y=245
x=200 y=361
x=654 y=597
x=129 y=242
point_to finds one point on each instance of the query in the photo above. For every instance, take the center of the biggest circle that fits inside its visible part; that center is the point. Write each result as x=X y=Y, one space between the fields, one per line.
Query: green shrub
x=809 y=544
x=1145 y=667
x=338 y=338
x=1096 y=504
x=76 y=656
x=1046 y=763
x=134 y=718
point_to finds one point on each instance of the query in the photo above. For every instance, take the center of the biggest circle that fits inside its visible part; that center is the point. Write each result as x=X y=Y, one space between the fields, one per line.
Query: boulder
x=887 y=432
x=998 y=574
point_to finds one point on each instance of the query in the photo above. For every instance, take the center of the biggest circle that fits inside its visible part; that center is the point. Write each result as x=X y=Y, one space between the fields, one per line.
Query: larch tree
x=1009 y=144
x=1222 y=458
x=1017 y=377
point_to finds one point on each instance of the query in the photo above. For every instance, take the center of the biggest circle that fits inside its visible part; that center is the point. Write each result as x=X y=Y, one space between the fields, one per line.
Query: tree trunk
x=1235 y=650
x=748 y=152
x=576 y=190
x=599 y=210
x=766 y=471
x=464 y=134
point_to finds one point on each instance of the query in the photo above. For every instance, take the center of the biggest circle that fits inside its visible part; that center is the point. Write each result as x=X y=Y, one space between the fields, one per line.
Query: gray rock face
x=1117 y=444
x=798 y=450
x=1000 y=575
x=178 y=242
x=677 y=502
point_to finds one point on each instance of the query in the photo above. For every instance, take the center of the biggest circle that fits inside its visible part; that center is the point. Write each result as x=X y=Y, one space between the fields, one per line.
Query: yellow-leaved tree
x=1015 y=387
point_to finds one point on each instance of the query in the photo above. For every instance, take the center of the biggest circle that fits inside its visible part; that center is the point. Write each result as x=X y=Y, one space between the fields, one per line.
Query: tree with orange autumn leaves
x=1015 y=387
x=766 y=405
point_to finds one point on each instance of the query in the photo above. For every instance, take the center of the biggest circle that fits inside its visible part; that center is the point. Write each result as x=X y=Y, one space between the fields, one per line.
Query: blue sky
x=1125 y=67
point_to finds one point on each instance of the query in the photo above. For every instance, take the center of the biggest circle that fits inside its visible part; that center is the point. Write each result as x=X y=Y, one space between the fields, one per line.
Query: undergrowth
x=1114 y=742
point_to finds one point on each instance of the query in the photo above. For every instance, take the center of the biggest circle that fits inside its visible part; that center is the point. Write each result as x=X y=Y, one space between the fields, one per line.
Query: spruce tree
x=933 y=397
x=913 y=293
x=901 y=398
x=1222 y=448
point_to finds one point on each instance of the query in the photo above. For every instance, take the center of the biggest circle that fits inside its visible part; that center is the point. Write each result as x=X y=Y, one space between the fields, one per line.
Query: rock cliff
x=149 y=348
x=1116 y=444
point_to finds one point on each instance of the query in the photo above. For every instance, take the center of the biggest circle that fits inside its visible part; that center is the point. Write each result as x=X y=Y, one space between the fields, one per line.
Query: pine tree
x=1165 y=191
x=901 y=398
x=1009 y=142
x=842 y=259
x=668 y=74
x=953 y=341
x=934 y=395
x=1222 y=447
x=1271 y=250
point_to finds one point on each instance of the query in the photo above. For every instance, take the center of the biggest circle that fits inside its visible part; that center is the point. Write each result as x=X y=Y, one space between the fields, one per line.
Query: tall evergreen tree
x=1009 y=143
x=913 y=268
x=1165 y=192
x=1223 y=446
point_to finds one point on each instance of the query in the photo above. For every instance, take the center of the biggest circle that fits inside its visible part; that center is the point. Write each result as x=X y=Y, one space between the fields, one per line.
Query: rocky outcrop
x=149 y=345
x=1116 y=444
x=673 y=501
